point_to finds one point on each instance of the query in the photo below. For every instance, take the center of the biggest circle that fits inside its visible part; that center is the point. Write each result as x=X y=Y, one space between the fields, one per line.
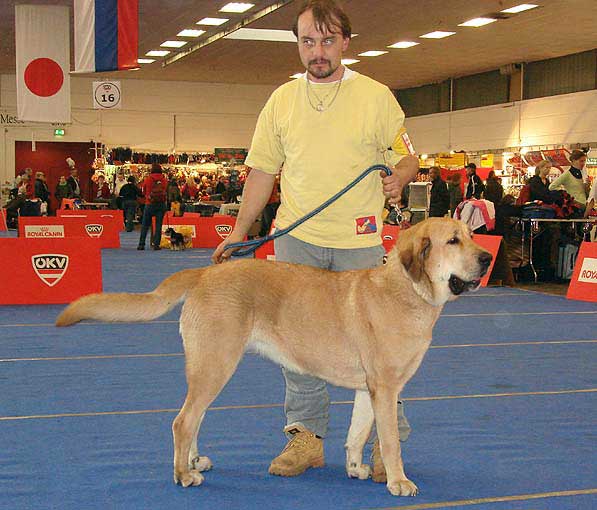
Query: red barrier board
x=44 y=227
x=94 y=214
x=583 y=284
x=492 y=245
x=49 y=271
x=208 y=232
x=3 y=225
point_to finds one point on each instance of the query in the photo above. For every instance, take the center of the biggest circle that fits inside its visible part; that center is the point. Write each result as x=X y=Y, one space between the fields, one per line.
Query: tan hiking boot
x=303 y=451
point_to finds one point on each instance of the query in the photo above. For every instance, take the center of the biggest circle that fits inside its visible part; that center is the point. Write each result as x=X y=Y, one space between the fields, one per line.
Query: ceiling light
x=477 y=22
x=236 y=7
x=261 y=34
x=212 y=21
x=145 y=60
x=173 y=44
x=438 y=34
x=189 y=32
x=403 y=44
x=349 y=61
x=157 y=53
x=519 y=8
x=297 y=75
x=372 y=53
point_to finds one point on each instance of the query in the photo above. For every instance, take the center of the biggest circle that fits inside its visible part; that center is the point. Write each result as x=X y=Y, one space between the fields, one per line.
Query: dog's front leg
x=385 y=407
x=360 y=428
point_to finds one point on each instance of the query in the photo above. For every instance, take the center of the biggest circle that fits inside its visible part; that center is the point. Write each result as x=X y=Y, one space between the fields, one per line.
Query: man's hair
x=576 y=155
x=156 y=168
x=328 y=16
x=472 y=166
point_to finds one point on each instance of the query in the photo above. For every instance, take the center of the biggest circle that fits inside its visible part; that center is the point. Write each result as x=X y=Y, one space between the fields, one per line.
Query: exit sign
x=59 y=132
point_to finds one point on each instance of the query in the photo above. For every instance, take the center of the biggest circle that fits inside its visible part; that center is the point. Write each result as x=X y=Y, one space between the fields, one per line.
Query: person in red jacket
x=154 y=191
x=100 y=191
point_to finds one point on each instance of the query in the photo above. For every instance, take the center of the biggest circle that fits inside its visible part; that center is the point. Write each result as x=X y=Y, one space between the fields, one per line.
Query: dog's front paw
x=360 y=471
x=201 y=464
x=189 y=478
x=403 y=488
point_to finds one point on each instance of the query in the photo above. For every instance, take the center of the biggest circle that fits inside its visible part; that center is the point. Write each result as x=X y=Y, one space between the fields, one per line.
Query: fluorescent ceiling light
x=212 y=21
x=261 y=34
x=189 y=32
x=372 y=53
x=173 y=44
x=477 y=22
x=349 y=61
x=519 y=8
x=297 y=75
x=157 y=53
x=403 y=44
x=145 y=60
x=236 y=7
x=438 y=34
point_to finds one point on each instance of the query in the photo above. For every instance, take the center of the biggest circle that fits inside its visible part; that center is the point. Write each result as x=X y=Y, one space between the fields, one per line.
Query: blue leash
x=256 y=243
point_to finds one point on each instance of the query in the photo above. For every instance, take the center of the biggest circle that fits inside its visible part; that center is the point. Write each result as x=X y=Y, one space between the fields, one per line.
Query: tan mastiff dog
x=367 y=330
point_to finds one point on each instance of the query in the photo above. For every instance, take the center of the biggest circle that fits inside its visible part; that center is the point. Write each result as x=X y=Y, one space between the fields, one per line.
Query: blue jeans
x=307 y=400
x=150 y=211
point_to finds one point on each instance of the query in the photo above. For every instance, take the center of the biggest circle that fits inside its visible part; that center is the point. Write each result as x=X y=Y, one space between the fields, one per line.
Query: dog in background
x=177 y=240
x=372 y=339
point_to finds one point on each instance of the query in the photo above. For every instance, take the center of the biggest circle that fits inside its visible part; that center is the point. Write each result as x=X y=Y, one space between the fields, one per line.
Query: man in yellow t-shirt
x=323 y=130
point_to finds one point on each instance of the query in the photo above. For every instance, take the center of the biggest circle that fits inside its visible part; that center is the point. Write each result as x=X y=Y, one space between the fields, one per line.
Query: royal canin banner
x=106 y=35
x=106 y=230
x=583 y=284
x=43 y=56
x=51 y=271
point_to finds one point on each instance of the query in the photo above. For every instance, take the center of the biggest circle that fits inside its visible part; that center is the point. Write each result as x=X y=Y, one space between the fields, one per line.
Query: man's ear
x=413 y=257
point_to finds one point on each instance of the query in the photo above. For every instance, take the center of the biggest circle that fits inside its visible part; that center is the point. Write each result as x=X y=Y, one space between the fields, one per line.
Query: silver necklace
x=320 y=106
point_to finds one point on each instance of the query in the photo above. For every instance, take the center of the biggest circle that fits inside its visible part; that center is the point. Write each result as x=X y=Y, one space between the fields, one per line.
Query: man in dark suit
x=73 y=184
x=475 y=186
x=439 y=200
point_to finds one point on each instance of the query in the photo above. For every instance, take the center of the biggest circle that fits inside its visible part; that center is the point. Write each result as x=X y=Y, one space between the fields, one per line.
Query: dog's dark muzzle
x=458 y=285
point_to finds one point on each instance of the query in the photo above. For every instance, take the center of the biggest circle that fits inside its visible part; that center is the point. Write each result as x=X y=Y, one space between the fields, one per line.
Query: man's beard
x=321 y=73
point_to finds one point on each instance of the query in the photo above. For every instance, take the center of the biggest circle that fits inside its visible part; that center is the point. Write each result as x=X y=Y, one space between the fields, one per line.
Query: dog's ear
x=413 y=256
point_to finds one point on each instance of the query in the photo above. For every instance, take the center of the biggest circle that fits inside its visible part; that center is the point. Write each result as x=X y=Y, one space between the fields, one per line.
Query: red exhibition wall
x=50 y=158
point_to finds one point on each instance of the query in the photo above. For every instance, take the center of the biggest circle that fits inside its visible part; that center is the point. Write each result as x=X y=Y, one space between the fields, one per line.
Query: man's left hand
x=403 y=173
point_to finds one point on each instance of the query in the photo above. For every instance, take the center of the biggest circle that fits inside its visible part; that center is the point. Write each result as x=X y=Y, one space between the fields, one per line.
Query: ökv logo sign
x=94 y=230
x=50 y=267
x=223 y=230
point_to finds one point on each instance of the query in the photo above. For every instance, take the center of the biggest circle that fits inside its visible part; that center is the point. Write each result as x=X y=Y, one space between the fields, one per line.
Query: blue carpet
x=495 y=409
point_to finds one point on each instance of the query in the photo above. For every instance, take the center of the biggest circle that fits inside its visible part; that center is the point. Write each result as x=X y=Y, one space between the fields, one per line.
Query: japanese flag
x=43 y=54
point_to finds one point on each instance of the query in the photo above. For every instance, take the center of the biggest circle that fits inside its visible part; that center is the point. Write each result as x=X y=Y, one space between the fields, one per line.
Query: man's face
x=469 y=171
x=321 y=53
x=73 y=172
x=433 y=174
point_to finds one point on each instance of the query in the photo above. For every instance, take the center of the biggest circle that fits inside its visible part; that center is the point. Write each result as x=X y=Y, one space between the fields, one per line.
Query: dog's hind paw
x=201 y=464
x=403 y=488
x=362 y=471
x=189 y=478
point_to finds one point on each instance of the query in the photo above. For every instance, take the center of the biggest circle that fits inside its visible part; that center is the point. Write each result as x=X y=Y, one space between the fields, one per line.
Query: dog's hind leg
x=358 y=433
x=195 y=461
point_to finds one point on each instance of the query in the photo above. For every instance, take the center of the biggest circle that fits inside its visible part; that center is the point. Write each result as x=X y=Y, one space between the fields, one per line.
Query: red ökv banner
x=207 y=232
x=104 y=229
x=583 y=284
x=93 y=214
x=50 y=271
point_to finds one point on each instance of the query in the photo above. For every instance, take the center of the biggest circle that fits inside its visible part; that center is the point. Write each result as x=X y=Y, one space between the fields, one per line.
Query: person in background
x=474 y=186
x=539 y=185
x=572 y=179
x=119 y=183
x=269 y=211
x=221 y=185
x=74 y=184
x=62 y=190
x=154 y=191
x=174 y=195
x=439 y=201
x=455 y=192
x=190 y=190
x=41 y=191
x=493 y=189
x=129 y=193
x=100 y=191
x=325 y=129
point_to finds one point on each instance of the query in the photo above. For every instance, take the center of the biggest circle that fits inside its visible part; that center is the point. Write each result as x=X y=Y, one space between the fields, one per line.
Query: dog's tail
x=123 y=307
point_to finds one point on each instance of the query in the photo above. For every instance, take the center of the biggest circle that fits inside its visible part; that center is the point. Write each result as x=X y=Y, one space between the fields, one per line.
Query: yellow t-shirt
x=321 y=152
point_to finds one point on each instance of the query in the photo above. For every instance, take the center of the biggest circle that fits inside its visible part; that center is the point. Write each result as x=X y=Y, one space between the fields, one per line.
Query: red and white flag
x=43 y=55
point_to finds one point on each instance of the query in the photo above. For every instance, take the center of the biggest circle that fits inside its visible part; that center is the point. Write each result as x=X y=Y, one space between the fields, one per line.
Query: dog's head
x=169 y=231
x=441 y=259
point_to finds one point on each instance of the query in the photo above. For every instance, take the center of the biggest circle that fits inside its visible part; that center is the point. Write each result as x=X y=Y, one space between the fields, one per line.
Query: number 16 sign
x=106 y=95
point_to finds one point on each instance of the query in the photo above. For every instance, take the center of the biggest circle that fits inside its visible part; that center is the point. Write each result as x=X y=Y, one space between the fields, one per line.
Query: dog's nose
x=485 y=260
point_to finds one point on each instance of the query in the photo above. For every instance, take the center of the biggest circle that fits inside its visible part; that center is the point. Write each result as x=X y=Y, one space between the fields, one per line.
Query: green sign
x=59 y=132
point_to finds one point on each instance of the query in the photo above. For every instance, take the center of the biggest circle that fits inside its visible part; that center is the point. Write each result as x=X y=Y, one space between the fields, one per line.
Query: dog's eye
x=454 y=240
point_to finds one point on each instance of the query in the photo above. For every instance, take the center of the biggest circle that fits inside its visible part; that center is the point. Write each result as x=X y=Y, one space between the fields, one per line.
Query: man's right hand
x=221 y=253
